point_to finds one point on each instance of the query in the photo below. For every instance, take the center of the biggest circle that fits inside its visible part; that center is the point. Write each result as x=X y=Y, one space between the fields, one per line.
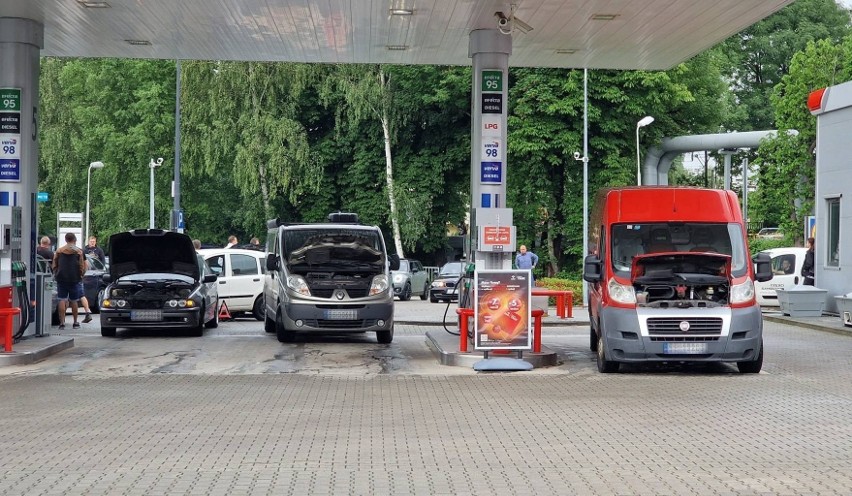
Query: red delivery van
x=671 y=279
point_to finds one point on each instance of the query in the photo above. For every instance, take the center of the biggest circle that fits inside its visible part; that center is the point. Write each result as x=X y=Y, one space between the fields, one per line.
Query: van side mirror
x=763 y=267
x=592 y=269
x=271 y=262
x=209 y=278
x=106 y=278
x=393 y=260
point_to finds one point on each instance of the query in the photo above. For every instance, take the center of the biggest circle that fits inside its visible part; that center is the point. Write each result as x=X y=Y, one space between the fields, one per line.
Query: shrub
x=557 y=284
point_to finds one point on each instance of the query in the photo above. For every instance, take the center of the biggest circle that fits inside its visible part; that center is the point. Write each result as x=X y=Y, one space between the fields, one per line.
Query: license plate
x=150 y=315
x=685 y=348
x=341 y=314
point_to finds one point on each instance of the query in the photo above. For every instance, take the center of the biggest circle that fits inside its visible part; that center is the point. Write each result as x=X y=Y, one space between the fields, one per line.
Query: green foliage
x=757 y=245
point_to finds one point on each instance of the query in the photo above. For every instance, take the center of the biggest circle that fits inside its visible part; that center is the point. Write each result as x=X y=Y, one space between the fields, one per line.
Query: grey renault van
x=331 y=277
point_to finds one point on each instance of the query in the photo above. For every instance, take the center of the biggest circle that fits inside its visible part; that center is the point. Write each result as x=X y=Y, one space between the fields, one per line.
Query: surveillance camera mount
x=508 y=24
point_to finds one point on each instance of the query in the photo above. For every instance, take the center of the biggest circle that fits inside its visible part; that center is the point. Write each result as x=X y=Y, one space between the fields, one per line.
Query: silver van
x=331 y=277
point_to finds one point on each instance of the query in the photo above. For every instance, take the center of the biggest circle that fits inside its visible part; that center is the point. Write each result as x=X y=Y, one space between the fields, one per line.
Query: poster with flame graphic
x=502 y=310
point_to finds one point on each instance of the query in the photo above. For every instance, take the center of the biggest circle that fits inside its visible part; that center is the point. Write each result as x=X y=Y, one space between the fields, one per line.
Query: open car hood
x=152 y=251
x=664 y=267
x=322 y=253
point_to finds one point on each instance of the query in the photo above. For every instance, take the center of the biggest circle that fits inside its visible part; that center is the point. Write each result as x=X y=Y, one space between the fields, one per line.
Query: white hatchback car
x=240 y=278
x=786 y=273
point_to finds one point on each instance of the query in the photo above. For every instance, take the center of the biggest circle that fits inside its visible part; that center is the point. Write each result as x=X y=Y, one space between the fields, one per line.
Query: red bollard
x=537 y=313
x=6 y=320
x=464 y=314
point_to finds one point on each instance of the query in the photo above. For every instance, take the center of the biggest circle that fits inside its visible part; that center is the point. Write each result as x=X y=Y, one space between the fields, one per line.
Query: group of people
x=69 y=265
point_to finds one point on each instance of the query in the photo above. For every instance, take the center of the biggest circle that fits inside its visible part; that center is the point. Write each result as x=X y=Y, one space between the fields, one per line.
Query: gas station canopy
x=610 y=34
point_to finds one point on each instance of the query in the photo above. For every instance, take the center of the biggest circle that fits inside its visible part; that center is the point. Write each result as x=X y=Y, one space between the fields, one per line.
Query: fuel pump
x=13 y=271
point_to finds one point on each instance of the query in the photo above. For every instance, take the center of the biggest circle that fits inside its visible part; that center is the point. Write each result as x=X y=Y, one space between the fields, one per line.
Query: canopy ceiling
x=613 y=34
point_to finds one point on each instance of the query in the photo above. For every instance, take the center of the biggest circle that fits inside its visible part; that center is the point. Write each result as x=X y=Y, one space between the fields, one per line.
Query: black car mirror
x=106 y=278
x=592 y=269
x=210 y=278
x=763 y=267
x=394 y=261
x=271 y=262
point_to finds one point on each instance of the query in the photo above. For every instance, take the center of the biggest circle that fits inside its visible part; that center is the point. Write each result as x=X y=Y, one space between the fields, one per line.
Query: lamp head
x=645 y=121
x=96 y=165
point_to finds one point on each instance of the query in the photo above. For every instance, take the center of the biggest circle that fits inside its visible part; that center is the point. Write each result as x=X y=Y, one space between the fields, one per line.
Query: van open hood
x=333 y=252
x=152 y=251
x=664 y=267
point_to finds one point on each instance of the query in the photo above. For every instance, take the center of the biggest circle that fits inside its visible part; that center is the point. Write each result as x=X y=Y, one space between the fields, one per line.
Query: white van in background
x=786 y=270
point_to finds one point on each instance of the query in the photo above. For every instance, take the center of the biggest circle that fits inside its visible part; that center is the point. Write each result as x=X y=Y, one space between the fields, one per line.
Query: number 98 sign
x=9 y=147
x=491 y=150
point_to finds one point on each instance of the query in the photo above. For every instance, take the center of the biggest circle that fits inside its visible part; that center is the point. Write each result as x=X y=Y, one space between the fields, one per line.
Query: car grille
x=697 y=326
x=340 y=324
x=146 y=304
x=329 y=292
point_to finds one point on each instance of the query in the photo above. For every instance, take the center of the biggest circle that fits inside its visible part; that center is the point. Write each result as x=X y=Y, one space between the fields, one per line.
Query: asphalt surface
x=237 y=412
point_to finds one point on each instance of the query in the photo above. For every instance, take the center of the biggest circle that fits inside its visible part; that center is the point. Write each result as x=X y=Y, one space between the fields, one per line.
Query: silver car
x=410 y=279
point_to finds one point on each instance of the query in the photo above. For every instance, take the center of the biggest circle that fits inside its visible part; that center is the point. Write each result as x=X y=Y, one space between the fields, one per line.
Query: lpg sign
x=492 y=126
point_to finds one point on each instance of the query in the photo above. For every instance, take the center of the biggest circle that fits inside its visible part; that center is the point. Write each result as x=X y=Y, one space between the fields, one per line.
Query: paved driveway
x=236 y=412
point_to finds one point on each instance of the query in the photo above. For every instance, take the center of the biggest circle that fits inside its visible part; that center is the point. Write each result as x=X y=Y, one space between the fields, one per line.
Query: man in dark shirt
x=44 y=250
x=69 y=265
x=94 y=249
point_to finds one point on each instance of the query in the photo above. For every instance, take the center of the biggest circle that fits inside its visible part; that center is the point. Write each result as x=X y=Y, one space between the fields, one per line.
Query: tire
x=283 y=335
x=108 y=332
x=257 y=309
x=754 y=366
x=425 y=292
x=432 y=298
x=385 y=337
x=198 y=330
x=593 y=339
x=605 y=366
x=212 y=324
x=95 y=306
x=268 y=324
x=405 y=295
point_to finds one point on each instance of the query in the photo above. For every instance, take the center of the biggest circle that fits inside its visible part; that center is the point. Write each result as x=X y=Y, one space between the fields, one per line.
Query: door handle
x=796 y=280
x=222 y=282
x=255 y=280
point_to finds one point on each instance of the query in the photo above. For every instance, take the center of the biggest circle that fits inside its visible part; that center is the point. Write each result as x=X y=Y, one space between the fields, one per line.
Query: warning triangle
x=224 y=314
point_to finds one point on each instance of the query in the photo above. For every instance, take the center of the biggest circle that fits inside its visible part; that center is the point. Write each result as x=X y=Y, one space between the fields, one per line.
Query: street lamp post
x=154 y=164
x=642 y=123
x=93 y=165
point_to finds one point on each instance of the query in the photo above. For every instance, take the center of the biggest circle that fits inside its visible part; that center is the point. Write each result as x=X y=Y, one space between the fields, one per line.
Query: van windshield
x=332 y=246
x=629 y=240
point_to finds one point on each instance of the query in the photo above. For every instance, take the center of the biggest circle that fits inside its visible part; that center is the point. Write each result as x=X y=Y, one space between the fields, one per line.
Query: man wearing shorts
x=68 y=269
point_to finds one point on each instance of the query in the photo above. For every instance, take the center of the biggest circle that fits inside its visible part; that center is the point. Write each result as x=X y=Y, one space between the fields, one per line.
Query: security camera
x=576 y=155
x=502 y=20
x=160 y=161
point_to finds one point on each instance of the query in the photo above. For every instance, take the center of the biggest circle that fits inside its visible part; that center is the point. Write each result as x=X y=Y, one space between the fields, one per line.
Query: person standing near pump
x=526 y=260
x=94 y=249
x=69 y=265
x=808 y=266
x=44 y=250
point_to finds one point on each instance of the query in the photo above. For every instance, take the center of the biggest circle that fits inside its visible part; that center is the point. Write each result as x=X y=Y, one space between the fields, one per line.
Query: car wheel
x=268 y=323
x=283 y=335
x=425 y=292
x=405 y=295
x=212 y=324
x=257 y=309
x=198 y=330
x=385 y=337
x=432 y=298
x=593 y=339
x=605 y=366
x=754 y=366
x=95 y=306
x=108 y=332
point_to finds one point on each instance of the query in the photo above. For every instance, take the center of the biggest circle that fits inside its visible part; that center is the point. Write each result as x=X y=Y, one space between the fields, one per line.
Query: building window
x=832 y=255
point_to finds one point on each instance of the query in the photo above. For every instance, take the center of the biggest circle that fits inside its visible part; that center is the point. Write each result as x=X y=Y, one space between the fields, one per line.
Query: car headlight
x=181 y=303
x=111 y=303
x=398 y=278
x=621 y=293
x=299 y=285
x=742 y=293
x=379 y=285
x=438 y=284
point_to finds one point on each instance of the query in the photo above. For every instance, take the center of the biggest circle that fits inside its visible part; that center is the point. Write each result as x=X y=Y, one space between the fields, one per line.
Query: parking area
x=237 y=412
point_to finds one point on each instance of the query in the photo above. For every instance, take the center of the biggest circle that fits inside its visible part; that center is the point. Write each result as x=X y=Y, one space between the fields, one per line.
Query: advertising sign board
x=502 y=311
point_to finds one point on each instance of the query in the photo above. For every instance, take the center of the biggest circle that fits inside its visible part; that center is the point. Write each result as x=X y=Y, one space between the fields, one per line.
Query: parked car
x=787 y=272
x=444 y=288
x=93 y=282
x=410 y=279
x=157 y=280
x=240 y=278
x=770 y=233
